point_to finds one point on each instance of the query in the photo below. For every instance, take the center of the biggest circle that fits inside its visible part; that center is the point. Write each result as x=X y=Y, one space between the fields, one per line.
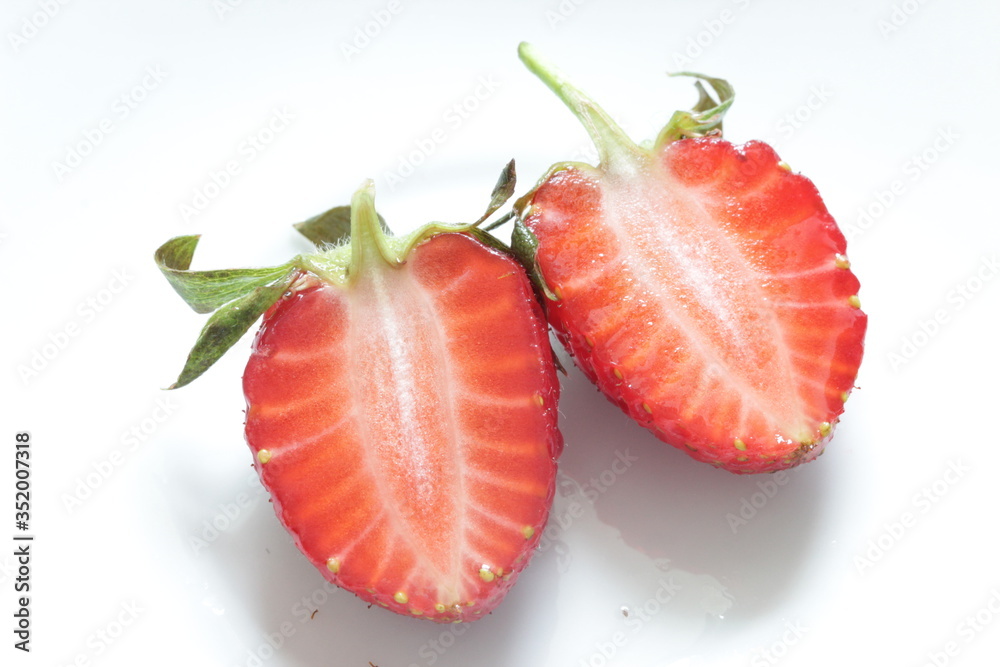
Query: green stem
x=369 y=246
x=613 y=145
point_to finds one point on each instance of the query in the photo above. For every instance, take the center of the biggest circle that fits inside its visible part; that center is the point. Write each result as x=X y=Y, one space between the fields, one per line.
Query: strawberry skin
x=406 y=427
x=705 y=289
x=401 y=402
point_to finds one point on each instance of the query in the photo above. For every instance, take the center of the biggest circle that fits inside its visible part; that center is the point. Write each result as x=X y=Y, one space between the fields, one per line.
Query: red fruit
x=702 y=286
x=401 y=408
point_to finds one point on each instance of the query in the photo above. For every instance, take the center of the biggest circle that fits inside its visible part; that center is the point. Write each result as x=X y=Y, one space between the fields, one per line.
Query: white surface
x=657 y=540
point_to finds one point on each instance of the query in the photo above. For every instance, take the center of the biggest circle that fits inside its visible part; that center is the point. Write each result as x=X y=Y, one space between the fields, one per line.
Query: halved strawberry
x=702 y=286
x=401 y=408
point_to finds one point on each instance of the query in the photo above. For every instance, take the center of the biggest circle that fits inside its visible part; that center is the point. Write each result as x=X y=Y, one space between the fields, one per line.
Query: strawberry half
x=702 y=286
x=401 y=409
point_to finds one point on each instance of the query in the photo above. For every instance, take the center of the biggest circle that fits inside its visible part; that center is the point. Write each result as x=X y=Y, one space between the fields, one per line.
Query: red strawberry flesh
x=406 y=426
x=705 y=289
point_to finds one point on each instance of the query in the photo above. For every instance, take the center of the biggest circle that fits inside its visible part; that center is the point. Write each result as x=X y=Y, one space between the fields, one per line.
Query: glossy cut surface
x=409 y=421
x=707 y=292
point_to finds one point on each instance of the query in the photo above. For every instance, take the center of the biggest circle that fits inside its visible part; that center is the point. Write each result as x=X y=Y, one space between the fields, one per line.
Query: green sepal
x=524 y=246
x=228 y=324
x=706 y=115
x=206 y=291
x=488 y=240
x=332 y=228
x=502 y=191
x=238 y=298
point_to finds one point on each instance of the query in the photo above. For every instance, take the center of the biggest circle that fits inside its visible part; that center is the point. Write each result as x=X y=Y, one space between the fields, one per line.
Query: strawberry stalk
x=616 y=151
x=614 y=147
x=370 y=247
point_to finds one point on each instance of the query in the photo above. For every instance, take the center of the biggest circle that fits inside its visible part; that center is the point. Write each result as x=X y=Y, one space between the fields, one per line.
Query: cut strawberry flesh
x=410 y=428
x=704 y=289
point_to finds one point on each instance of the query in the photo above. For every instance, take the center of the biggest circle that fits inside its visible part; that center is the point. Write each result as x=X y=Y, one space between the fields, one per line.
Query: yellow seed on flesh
x=415 y=612
x=784 y=165
x=740 y=445
x=618 y=374
x=439 y=608
x=824 y=429
x=645 y=406
x=589 y=341
x=264 y=456
x=486 y=574
x=401 y=597
x=558 y=293
x=841 y=262
x=854 y=301
x=844 y=395
x=539 y=400
x=742 y=458
x=333 y=564
x=528 y=532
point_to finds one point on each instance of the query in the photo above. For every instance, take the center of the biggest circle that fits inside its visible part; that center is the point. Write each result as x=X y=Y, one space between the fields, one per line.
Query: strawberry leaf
x=227 y=325
x=206 y=291
x=706 y=115
x=332 y=227
x=238 y=297
x=502 y=191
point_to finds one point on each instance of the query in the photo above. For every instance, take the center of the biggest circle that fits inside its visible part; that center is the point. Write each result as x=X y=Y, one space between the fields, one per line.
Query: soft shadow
x=752 y=533
x=259 y=565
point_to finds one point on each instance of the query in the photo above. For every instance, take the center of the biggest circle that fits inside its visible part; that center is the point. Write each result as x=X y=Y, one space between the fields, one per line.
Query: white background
x=878 y=553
